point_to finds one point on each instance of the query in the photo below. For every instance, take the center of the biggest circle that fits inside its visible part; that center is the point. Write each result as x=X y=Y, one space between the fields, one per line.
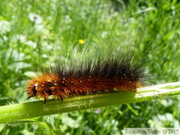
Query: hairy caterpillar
x=88 y=78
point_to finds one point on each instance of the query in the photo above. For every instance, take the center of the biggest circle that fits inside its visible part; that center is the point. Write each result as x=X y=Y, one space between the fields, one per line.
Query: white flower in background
x=4 y=27
x=104 y=34
x=35 y=18
x=31 y=43
x=68 y=19
x=39 y=27
x=24 y=40
x=20 y=38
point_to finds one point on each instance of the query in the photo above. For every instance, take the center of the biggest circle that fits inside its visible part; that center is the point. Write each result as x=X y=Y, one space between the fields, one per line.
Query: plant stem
x=16 y=112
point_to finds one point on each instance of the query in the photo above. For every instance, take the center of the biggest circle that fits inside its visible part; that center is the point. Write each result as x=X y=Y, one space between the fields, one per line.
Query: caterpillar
x=119 y=73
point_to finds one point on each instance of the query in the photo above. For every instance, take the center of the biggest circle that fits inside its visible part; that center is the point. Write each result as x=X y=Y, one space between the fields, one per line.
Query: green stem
x=15 y=112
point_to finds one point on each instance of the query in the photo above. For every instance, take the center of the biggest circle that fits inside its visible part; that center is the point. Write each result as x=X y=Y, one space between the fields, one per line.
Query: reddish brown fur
x=52 y=84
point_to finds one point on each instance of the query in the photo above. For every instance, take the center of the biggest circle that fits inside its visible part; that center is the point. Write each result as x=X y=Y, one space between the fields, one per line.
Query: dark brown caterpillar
x=106 y=75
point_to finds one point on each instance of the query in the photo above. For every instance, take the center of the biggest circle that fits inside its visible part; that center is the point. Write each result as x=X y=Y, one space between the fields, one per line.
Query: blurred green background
x=35 y=33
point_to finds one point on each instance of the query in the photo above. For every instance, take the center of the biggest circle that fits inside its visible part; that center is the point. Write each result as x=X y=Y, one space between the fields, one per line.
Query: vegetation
x=34 y=34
